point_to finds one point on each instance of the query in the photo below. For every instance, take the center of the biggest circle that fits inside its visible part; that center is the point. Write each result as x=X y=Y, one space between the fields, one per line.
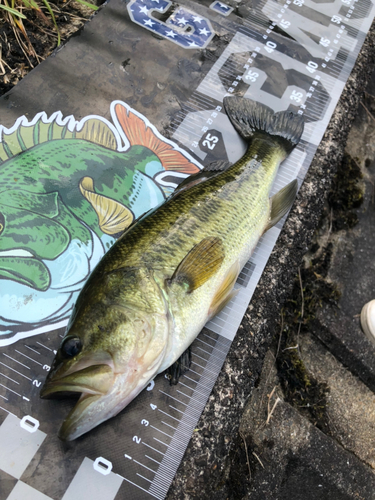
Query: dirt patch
x=311 y=290
x=19 y=54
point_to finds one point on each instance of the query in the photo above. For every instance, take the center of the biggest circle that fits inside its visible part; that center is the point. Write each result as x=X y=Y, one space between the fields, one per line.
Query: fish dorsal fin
x=281 y=203
x=27 y=136
x=200 y=264
x=139 y=134
x=113 y=217
x=96 y=131
x=225 y=292
x=211 y=170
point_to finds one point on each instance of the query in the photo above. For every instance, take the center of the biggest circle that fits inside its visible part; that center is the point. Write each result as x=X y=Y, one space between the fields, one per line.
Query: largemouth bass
x=171 y=272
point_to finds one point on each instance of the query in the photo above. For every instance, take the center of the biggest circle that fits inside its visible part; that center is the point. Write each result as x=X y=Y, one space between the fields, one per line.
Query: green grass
x=17 y=10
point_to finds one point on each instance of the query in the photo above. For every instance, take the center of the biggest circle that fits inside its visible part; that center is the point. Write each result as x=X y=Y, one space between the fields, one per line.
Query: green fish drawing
x=68 y=190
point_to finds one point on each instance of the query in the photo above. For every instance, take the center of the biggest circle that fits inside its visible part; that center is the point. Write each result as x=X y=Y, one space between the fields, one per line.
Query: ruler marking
x=45 y=347
x=165 y=466
x=203 y=368
x=186 y=395
x=208 y=361
x=210 y=353
x=168 y=415
x=196 y=373
x=169 y=425
x=185 y=404
x=28 y=357
x=184 y=414
x=187 y=386
x=1 y=396
x=11 y=390
x=19 y=373
x=169 y=447
x=19 y=362
x=170 y=406
x=161 y=453
x=8 y=411
x=136 y=461
x=140 y=487
x=149 y=480
x=195 y=390
x=15 y=381
x=153 y=459
x=208 y=387
x=31 y=349
x=213 y=346
x=160 y=431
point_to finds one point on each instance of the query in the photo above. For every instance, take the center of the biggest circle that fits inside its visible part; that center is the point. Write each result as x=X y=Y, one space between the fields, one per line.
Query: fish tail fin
x=249 y=117
x=139 y=134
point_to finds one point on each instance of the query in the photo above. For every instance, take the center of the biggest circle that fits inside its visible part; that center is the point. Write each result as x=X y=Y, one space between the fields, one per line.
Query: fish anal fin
x=180 y=366
x=113 y=216
x=281 y=203
x=226 y=292
x=200 y=264
x=139 y=134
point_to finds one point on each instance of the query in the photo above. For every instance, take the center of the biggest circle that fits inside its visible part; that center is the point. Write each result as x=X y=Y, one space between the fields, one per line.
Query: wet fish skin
x=154 y=290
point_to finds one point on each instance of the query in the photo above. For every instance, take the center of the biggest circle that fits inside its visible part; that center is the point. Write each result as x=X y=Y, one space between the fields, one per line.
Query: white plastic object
x=368 y=320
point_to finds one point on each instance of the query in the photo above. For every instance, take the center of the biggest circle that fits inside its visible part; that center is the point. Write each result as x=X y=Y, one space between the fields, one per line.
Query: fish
x=171 y=272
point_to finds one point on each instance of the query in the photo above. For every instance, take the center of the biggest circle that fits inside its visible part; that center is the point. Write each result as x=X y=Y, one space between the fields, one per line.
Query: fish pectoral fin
x=113 y=216
x=200 y=264
x=180 y=366
x=225 y=293
x=281 y=203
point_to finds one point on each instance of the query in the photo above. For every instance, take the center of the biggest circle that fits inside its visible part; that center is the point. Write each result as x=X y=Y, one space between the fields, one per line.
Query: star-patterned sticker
x=224 y=6
x=204 y=32
x=148 y=23
x=193 y=44
x=197 y=19
x=182 y=20
x=144 y=10
x=171 y=33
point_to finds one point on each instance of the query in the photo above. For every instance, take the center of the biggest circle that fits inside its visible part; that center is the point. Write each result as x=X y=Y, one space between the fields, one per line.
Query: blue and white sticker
x=221 y=8
x=184 y=27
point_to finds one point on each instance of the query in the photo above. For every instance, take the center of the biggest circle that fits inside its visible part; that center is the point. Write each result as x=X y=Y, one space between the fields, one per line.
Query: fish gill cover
x=68 y=190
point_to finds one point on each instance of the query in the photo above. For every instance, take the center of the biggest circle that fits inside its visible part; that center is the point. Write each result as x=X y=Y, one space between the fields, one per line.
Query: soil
x=19 y=54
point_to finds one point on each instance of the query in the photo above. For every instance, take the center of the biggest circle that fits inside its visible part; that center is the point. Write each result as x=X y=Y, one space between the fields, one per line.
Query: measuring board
x=294 y=54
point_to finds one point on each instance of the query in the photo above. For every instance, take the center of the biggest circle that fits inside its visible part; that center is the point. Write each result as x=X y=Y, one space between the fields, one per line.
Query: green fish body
x=171 y=272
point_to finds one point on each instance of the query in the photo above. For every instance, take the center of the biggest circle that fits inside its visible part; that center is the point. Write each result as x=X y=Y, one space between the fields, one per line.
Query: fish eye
x=71 y=346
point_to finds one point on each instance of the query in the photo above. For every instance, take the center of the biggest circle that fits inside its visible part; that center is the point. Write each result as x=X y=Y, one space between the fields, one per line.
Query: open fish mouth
x=94 y=380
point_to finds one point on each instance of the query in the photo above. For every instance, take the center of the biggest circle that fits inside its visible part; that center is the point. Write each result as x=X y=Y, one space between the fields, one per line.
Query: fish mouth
x=92 y=380
x=94 y=383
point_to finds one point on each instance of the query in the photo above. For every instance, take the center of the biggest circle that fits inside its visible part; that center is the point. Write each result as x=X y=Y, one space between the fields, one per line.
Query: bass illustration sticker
x=68 y=190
